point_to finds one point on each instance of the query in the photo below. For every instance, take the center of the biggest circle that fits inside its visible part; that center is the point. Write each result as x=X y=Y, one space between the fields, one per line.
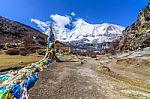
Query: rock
x=105 y=68
x=138 y=34
x=82 y=62
x=146 y=49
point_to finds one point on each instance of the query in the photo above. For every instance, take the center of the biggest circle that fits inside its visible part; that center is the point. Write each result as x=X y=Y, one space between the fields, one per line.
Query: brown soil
x=73 y=80
x=107 y=77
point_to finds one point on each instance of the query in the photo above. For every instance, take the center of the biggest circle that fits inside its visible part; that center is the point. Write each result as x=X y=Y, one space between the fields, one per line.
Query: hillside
x=13 y=32
x=137 y=35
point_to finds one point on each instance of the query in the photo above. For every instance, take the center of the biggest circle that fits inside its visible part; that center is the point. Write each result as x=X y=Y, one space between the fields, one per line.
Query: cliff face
x=15 y=32
x=138 y=34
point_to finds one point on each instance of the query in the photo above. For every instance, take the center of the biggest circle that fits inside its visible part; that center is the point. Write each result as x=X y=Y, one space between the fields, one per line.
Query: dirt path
x=73 y=80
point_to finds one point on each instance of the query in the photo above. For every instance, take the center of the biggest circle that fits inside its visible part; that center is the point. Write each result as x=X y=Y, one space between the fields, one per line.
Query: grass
x=8 y=60
x=130 y=80
x=138 y=70
x=127 y=79
x=142 y=68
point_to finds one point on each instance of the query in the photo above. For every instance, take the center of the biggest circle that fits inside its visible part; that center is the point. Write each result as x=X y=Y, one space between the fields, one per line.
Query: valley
x=94 y=79
x=74 y=59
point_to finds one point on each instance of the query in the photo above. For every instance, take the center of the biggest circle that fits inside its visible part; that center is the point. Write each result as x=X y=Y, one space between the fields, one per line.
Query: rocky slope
x=138 y=34
x=13 y=32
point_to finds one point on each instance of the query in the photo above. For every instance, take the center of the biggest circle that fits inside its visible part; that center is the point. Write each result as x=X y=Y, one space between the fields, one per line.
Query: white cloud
x=60 y=21
x=42 y=25
x=73 y=14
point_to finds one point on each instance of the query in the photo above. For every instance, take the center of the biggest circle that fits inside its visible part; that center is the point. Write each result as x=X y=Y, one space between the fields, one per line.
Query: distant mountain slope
x=91 y=32
x=85 y=35
x=15 y=32
x=138 y=34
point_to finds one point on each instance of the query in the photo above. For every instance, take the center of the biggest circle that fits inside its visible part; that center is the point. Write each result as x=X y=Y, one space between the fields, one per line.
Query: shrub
x=12 y=52
x=23 y=52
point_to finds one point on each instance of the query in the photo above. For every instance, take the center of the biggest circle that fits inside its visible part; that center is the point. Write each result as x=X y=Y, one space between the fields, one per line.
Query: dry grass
x=7 y=60
x=130 y=80
x=134 y=65
x=135 y=82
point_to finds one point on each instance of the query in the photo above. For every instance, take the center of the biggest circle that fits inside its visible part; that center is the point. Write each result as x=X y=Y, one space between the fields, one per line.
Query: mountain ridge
x=137 y=35
x=85 y=35
x=13 y=32
x=83 y=29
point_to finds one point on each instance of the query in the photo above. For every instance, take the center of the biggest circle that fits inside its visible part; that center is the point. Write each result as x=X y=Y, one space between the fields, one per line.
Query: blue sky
x=121 y=12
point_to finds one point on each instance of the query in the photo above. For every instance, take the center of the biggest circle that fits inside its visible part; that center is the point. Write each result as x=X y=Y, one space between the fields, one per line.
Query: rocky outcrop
x=138 y=34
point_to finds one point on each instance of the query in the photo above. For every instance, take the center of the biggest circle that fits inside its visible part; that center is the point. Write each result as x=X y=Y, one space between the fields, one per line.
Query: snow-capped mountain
x=78 y=32
x=89 y=33
x=83 y=34
x=93 y=36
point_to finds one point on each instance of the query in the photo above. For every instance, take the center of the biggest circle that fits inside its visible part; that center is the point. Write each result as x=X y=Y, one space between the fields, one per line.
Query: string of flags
x=16 y=83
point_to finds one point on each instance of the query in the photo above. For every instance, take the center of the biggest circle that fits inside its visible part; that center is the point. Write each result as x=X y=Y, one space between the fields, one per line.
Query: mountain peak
x=80 y=22
x=90 y=32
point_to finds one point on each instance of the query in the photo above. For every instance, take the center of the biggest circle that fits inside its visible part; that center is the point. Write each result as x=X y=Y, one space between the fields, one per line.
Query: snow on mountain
x=89 y=33
x=83 y=34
